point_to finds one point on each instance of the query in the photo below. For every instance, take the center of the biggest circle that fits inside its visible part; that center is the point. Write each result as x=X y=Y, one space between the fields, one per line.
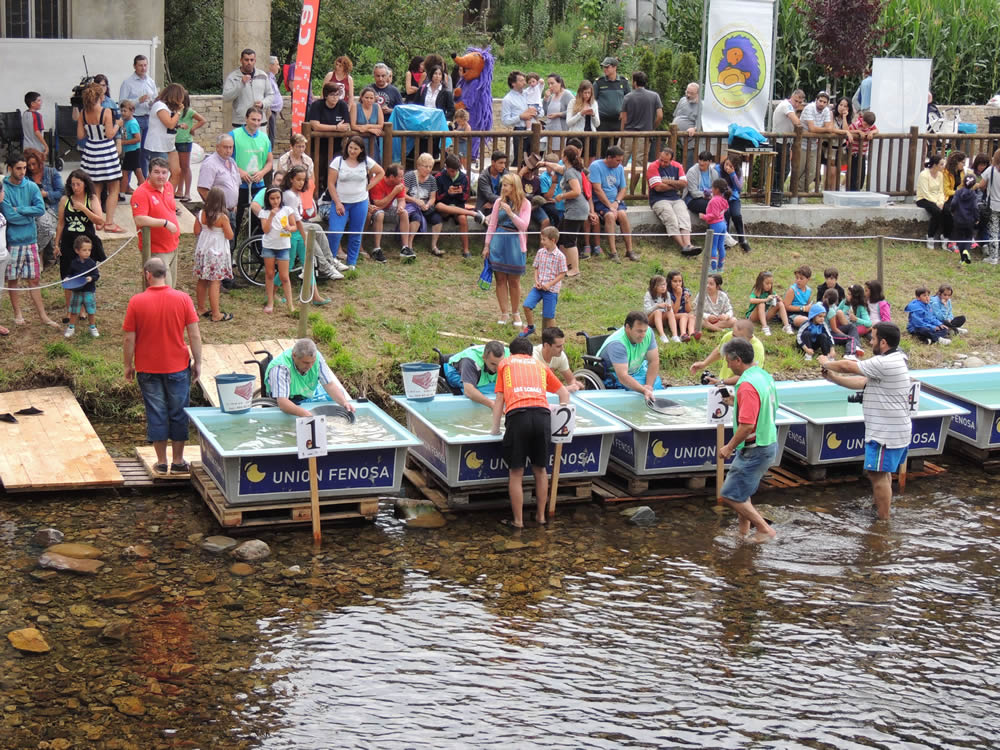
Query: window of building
x=34 y=19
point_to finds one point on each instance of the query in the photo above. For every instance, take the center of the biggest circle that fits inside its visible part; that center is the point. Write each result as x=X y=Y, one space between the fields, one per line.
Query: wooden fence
x=801 y=165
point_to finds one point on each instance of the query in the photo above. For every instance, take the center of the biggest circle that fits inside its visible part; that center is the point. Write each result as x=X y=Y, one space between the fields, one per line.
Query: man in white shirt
x=884 y=381
x=550 y=353
x=817 y=118
x=141 y=89
x=784 y=120
x=516 y=113
x=247 y=87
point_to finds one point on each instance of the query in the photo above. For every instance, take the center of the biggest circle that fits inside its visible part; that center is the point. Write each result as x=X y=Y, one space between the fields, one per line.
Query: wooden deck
x=55 y=450
x=221 y=359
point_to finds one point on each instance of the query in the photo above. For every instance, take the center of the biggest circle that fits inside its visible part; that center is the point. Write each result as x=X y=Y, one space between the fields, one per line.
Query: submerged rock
x=218 y=543
x=641 y=516
x=252 y=550
x=123 y=596
x=47 y=537
x=240 y=569
x=56 y=561
x=79 y=551
x=419 y=514
x=116 y=631
x=129 y=705
x=29 y=640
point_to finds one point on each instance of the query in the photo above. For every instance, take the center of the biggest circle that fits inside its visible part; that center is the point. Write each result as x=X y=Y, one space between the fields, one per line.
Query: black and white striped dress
x=100 y=157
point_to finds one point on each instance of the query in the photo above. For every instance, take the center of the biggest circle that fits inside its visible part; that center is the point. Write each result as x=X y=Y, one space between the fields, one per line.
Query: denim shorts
x=600 y=209
x=155 y=154
x=878 y=458
x=183 y=148
x=748 y=468
x=165 y=396
x=270 y=252
x=548 y=300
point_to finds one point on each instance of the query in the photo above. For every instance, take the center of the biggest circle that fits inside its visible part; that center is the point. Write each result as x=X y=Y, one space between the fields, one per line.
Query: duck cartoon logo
x=254 y=474
x=736 y=69
x=833 y=442
x=473 y=461
x=659 y=450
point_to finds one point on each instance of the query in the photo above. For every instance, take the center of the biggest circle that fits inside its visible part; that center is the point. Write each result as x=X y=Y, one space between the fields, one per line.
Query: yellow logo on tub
x=472 y=460
x=658 y=450
x=254 y=474
x=833 y=442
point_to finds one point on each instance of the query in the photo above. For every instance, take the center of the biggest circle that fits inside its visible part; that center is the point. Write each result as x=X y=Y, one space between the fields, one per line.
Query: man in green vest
x=631 y=359
x=294 y=374
x=253 y=157
x=755 y=437
x=474 y=370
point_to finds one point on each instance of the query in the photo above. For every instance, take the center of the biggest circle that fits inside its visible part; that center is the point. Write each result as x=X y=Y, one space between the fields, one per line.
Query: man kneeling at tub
x=521 y=386
x=474 y=370
x=631 y=359
x=294 y=374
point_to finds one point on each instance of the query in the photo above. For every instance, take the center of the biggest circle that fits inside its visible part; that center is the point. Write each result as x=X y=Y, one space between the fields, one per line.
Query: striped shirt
x=887 y=404
x=548 y=265
x=280 y=379
x=523 y=382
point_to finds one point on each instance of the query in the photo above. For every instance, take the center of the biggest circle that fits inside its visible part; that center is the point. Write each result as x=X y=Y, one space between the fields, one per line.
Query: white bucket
x=420 y=380
x=235 y=392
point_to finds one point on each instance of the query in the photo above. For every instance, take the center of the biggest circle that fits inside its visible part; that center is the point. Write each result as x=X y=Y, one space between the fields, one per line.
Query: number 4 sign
x=563 y=423
x=310 y=436
x=914 y=395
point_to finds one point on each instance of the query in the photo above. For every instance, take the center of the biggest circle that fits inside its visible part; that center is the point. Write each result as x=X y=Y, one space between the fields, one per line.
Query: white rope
x=59 y=283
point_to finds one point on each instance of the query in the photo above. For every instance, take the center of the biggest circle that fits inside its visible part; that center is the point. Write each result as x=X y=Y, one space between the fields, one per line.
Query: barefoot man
x=755 y=436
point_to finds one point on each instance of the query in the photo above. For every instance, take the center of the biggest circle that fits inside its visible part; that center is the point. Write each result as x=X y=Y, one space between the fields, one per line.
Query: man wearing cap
x=247 y=87
x=609 y=91
x=687 y=118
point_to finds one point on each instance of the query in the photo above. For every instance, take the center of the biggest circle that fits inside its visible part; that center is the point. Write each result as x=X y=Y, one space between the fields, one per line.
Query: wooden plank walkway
x=221 y=359
x=55 y=450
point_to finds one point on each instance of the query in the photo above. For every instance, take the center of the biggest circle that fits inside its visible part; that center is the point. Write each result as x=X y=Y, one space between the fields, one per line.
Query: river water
x=844 y=633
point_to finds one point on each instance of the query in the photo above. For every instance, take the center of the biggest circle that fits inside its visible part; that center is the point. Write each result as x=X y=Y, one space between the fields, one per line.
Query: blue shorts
x=155 y=154
x=878 y=458
x=747 y=469
x=83 y=300
x=165 y=396
x=601 y=209
x=183 y=148
x=548 y=300
x=277 y=254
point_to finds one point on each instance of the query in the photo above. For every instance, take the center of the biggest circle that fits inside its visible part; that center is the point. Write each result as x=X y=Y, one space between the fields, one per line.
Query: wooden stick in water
x=720 y=463
x=902 y=476
x=314 y=500
x=555 y=480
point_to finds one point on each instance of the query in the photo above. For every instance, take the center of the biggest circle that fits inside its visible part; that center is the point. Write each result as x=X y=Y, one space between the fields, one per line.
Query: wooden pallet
x=605 y=491
x=668 y=486
x=277 y=513
x=219 y=359
x=793 y=473
x=147 y=457
x=988 y=460
x=487 y=498
x=55 y=450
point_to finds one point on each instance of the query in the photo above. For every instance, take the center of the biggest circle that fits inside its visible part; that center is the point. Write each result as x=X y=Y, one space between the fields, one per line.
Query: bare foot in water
x=763 y=538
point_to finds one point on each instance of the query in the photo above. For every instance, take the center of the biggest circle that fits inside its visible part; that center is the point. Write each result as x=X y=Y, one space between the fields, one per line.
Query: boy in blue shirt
x=607 y=177
x=922 y=323
x=131 y=146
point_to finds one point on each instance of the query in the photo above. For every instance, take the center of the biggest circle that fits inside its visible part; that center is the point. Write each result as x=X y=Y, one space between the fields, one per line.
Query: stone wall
x=213 y=109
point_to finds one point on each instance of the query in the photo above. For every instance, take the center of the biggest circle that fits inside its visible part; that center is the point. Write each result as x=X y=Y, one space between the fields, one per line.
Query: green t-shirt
x=250 y=151
x=758 y=354
x=184 y=134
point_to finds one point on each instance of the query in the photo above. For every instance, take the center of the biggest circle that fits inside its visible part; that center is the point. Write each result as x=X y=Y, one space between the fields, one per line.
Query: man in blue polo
x=294 y=374
x=607 y=177
x=474 y=370
x=631 y=359
x=754 y=440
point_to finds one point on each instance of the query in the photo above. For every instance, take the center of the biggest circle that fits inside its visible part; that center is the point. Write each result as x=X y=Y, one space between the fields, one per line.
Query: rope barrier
x=59 y=283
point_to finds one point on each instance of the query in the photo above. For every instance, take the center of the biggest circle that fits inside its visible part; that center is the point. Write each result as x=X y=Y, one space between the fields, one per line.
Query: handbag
x=486 y=277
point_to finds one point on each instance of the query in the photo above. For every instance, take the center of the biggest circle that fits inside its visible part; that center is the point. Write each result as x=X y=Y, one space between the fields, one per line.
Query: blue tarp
x=414 y=117
x=745 y=131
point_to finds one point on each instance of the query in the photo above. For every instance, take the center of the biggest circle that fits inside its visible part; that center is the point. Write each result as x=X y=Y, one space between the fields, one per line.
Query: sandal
x=4 y=331
x=509 y=523
x=182 y=468
x=226 y=316
x=268 y=309
x=321 y=302
x=206 y=314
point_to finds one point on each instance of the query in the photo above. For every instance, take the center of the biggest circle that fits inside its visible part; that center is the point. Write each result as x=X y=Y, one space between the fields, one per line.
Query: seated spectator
x=930 y=197
x=532 y=185
x=386 y=198
x=488 y=185
x=815 y=333
x=549 y=179
x=420 y=197
x=922 y=322
x=667 y=180
x=452 y=194
x=717 y=313
x=942 y=310
x=607 y=177
x=699 y=183
x=878 y=308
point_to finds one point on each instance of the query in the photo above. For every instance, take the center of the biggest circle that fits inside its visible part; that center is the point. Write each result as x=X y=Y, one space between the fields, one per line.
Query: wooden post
x=797 y=165
x=912 y=163
x=554 y=489
x=144 y=252
x=307 y=282
x=314 y=501
x=386 y=144
x=880 y=272
x=902 y=476
x=536 y=139
x=673 y=142
x=706 y=256
x=720 y=463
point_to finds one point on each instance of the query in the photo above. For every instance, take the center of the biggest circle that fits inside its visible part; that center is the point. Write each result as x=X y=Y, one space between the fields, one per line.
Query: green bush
x=563 y=41
x=592 y=69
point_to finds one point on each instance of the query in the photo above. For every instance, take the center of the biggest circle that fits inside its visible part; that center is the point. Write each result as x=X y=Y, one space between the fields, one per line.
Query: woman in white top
x=556 y=107
x=582 y=117
x=349 y=179
x=162 y=133
x=718 y=311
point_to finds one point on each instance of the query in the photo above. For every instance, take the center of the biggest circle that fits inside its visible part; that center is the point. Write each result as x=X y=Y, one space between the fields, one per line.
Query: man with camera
x=884 y=382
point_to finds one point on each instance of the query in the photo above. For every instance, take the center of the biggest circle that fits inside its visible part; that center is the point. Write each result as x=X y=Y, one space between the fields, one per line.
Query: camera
x=76 y=98
x=856 y=398
x=707 y=377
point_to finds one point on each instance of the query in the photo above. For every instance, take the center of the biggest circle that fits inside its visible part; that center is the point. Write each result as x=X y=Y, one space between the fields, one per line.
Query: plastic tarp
x=414 y=117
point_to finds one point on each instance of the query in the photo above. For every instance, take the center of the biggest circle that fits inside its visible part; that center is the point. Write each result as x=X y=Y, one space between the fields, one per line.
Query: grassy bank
x=389 y=314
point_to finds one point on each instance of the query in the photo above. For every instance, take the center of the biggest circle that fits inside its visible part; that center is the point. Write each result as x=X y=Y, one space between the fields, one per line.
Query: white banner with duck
x=739 y=64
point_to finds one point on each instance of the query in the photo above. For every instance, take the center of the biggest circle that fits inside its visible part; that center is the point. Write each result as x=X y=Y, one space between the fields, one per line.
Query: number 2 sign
x=563 y=423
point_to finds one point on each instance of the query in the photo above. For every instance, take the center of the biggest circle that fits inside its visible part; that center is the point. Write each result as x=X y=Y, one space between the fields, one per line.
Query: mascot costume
x=475 y=92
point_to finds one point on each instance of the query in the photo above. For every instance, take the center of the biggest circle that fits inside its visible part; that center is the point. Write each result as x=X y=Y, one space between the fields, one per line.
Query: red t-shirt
x=380 y=191
x=523 y=381
x=749 y=401
x=158 y=317
x=147 y=201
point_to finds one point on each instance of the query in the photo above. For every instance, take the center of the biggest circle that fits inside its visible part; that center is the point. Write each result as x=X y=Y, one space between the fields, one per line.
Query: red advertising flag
x=303 y=63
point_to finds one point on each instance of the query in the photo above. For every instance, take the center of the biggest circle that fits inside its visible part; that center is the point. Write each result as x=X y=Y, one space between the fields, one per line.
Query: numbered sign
x=563 y=423
x=914 y=395
x=716 y=410
x=310 y=436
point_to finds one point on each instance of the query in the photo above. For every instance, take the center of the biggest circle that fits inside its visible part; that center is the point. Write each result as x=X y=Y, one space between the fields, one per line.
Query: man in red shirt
x=155 y=355
x=521 y=388
x=386 y=196
x=153 y=206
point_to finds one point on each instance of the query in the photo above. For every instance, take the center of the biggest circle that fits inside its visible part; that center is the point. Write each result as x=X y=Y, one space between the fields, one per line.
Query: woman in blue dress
x=507 y=246
x=367 y=119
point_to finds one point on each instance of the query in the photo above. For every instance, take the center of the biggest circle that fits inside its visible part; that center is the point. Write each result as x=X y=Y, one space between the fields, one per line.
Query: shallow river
x=845 y=633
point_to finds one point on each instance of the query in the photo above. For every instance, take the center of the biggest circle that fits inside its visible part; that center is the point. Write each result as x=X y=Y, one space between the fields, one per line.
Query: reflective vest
x=475 y=353
x=763 y=383
x=636 y=353
x=300 y=385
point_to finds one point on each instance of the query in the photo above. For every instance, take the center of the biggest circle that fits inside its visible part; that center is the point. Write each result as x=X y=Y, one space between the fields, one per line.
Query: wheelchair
x=443 y=385
x=262 y=365
x=592 y=373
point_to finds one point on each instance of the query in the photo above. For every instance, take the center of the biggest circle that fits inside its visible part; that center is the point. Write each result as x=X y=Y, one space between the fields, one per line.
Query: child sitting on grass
x=717 y=312
x=658 y=307
x=855 y=308
x=878 y=308
x=923 y=323
x=815 y=333
x=941 y=308
x=680 y=298
x=844 y=332
x=550 y=270
x=830 y=277
x=766 y=305
x=797 y=297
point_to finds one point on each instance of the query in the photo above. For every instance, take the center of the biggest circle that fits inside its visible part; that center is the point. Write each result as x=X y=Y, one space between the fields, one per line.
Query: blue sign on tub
x=431 y=446
x=484 y=461
x=848 y=440
x=798 y=442
x=672 y=449
x=367 y=469
x=963 y=424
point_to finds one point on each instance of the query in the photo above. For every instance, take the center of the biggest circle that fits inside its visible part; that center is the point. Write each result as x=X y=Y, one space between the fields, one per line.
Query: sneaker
x=952 y=246
x=722 y=267
x=807 y=357
x=944 y=340
x=992 y=260
x=633 y=256
x=614 y=258
x=696 y=335
x=94 y=332
x=713 y=266
x=68 y=333
x=746 y=246
x=787 y=329
x=378 y=256
x=585 y=253
x=526 y=332
x=407 y=253
x=962 y=331
x=437 y=252
x=766 y=330
x=466 y=255
x=596 y=251
x=333 y=275
x=517 y=320
x=664 y=340
x=859 y=352
x=339 y=265
x=481 y=218
x=966 y=257
x=676 y=339
x=350 y=268
x=690 y=251
x=930 y=243
x=729 y=240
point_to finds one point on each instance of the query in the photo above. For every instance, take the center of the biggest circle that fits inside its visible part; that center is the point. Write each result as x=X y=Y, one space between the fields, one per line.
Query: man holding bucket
x=293 y=375
x=474 y=370
x=157 y=357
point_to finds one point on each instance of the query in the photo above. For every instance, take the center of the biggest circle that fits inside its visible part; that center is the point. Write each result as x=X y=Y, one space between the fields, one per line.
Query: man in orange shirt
x=521 y=388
